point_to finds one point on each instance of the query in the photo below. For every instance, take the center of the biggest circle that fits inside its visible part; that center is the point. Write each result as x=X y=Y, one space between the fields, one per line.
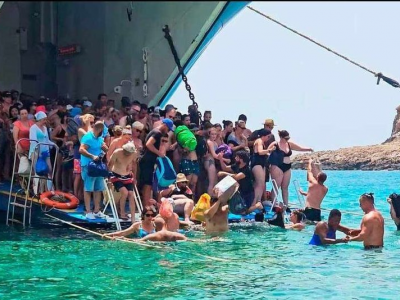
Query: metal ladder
x=109 y=197
x=300 y=197
x=26 y=203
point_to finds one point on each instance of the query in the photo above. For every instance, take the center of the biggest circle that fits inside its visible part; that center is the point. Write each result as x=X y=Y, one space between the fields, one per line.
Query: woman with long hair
x=228 y=129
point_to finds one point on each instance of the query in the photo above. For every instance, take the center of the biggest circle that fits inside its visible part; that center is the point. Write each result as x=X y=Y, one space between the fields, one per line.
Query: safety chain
x=379 y=75
x=167 y=35
x=145 y=74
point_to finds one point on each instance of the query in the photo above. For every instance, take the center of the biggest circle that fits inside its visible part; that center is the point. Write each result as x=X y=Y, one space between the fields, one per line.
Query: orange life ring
x=73 y=201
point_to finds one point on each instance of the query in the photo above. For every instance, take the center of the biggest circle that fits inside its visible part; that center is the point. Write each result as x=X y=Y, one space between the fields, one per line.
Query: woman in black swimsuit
x=280 y=163
x=259 y=162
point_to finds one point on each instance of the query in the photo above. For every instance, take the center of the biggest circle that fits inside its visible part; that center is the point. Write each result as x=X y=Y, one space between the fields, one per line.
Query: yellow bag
x=202 y=205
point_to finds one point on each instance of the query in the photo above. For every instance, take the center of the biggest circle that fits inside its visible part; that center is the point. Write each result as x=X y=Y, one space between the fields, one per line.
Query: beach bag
x=24 y=165
x=185 y=138
x=166 y=208
x=97 y=169
x=41 y=167
x=226 y=150
x=237 y=205
x=201 y=206
x=164 y=174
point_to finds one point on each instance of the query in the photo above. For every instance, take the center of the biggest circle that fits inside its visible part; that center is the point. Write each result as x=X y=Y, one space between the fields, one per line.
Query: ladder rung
x=15 y=221
x=20 y=205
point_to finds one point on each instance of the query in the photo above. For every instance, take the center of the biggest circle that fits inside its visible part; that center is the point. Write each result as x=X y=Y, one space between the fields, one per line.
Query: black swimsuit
x=279 y=162
x=258 y=160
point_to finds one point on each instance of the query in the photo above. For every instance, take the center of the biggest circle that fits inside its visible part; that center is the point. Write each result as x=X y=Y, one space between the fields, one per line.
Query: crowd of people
x=130 y=139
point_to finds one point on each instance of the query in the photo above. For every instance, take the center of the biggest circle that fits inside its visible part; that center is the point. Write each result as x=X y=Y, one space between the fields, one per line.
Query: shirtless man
x=316 y=193
x=217 y=216
x=121 y=166
x=164 y=235
x=170 y=220
x=118 y=142
x=372 y=225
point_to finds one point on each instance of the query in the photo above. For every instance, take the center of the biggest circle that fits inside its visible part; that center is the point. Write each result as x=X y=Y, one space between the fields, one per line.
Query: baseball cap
x=138 y=125
x=129 y=147
x=69 y=107
x=75 y=111
x=41 y=108
x=40 y=116
x=269 y=122
x=169 y=124
x=87 y=103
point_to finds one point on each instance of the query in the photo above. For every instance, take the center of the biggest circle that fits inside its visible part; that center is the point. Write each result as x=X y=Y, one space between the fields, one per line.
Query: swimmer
x=297 y=219
x=325 y=232
x=217 y=216
x=372 y=225
x=316 y=193
x=141 y=228
x=394 y=201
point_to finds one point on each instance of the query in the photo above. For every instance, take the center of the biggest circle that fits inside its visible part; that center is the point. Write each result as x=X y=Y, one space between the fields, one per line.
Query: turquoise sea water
x=262 y=262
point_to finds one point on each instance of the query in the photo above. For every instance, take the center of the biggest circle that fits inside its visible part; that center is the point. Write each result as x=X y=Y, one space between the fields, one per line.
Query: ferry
x=137 y=49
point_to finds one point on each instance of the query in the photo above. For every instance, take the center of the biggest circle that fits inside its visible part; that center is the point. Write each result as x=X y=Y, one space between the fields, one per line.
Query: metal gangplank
x=26 y=204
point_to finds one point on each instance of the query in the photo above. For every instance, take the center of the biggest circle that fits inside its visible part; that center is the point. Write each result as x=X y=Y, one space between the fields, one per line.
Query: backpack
x=185 y=138
x=201 y=206
x=164 y=174
x=41 y=167
x=201 y=148
x=226 y=149
x=237 y=205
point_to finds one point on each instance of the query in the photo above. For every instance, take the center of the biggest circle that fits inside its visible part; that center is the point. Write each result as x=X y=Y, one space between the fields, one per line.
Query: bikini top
x=142 y=233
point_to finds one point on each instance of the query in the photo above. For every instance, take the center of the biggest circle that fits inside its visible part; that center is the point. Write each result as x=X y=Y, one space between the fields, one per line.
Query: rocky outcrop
x=385 y=156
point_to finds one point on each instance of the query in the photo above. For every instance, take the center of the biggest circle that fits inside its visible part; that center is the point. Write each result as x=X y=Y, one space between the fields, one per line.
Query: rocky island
x=385 y=156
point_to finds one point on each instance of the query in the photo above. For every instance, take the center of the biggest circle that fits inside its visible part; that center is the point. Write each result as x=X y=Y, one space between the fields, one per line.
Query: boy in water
x=315 y=194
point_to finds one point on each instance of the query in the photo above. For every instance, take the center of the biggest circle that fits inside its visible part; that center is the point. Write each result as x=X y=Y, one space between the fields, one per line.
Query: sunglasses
x=149 y=215
x=139 y=131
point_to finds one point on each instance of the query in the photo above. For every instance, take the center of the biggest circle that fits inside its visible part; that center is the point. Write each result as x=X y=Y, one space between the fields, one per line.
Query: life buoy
x=45 y=198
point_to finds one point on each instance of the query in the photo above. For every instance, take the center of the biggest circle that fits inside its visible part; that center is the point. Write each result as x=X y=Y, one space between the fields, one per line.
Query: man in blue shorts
x=92 y=144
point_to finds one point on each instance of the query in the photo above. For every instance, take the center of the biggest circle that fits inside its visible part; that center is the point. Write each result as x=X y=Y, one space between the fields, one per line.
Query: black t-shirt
x=157 y=135
x=245 y=184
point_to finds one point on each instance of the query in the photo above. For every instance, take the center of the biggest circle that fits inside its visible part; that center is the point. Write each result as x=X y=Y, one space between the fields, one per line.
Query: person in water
x=142 y=228
x=394 y=202
x=315 y=194
x=372 y=225
x=167 y=224
x=216 y=217
x=325 y=232
x=297 y=219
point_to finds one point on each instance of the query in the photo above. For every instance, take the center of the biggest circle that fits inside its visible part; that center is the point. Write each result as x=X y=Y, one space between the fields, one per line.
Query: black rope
x=380 y=76
x=168 y=36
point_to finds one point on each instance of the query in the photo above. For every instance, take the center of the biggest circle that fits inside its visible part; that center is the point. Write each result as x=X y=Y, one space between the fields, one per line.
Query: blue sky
x=256 y=67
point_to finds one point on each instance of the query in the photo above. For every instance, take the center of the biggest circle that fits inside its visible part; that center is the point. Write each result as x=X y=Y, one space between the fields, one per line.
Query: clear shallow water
x=263 y=262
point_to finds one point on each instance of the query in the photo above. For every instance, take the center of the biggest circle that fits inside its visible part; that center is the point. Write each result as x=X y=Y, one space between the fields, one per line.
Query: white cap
x=40 y=116
x=87 y=103
x=138 y=125
x=69 y=107
x=126 y=131
x=129 y=147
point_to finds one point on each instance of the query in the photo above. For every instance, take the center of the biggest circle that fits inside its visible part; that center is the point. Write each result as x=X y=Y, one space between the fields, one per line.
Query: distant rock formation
x=385 y=156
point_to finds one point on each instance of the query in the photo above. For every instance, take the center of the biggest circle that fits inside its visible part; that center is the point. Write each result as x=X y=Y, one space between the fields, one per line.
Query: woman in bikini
x=142 y=228
x=280 y=165
x=219 y=139
x=209 y=160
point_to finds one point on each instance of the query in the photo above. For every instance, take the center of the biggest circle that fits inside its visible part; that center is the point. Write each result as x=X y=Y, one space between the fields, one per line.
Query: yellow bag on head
x=202 y=205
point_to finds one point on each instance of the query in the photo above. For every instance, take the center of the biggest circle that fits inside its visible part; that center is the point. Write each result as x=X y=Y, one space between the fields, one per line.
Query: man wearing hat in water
x=122 y=178
x=182 y=196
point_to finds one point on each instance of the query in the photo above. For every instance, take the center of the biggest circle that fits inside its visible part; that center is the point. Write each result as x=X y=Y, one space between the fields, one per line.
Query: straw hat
x=181 y=178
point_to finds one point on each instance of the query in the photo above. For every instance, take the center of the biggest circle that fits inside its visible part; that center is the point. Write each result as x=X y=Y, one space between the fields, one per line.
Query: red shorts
x=77 y=166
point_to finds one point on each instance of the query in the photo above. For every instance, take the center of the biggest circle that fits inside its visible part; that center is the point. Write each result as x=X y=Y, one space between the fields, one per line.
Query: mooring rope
x=379 y=75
